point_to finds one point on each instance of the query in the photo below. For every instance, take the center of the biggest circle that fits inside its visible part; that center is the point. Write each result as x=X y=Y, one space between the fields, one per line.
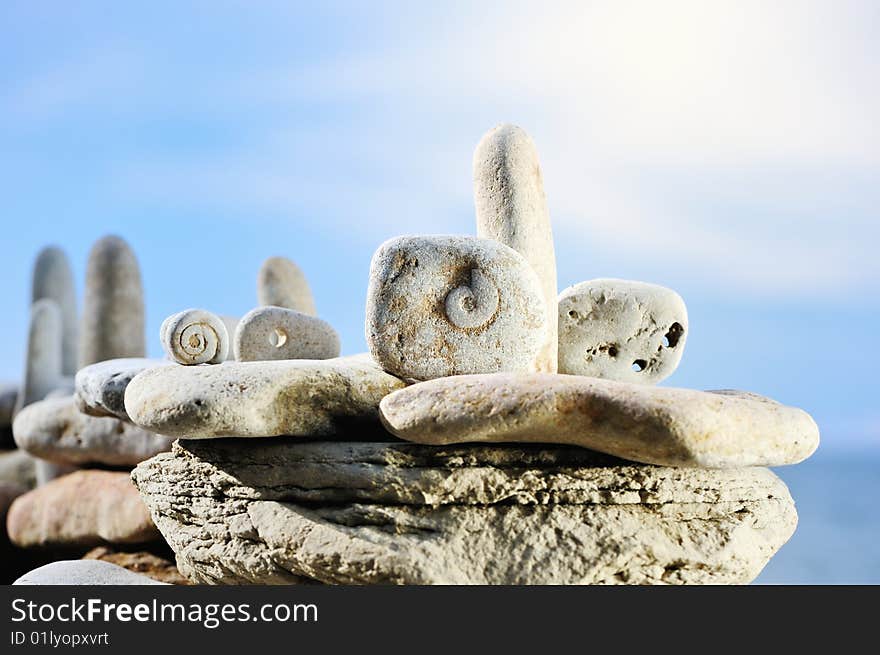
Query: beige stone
x=450 y=305
x=654 y=425
x=43 y=361
x=100 y=388
x=113 y=309
x=621 y=330
x=260 y=399
x=84 y=508
x=280 y=282
x=512 y=209
x=281 y=512
x=56 y=431
x=273 y=333
x=195 y=336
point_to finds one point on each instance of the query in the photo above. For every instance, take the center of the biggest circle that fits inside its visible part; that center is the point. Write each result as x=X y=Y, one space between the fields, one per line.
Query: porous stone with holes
x=621 y=330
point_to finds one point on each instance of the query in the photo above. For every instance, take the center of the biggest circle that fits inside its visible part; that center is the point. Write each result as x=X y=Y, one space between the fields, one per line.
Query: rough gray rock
x=83 y=572
x=621 y=330
x=272 y=333
x=100 y=388
x=512 y=209
x=260 y=399
x=53 y=279
x=280 y=282
x=56 y=431
x=449 y=305
x=195 y=336
x=282 y=511
x=113 y=310
x=42 y=373
x=654 y=425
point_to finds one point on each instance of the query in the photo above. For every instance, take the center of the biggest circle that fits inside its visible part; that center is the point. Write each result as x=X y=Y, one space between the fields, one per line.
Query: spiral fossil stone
x=448 y=305
x=195 y=336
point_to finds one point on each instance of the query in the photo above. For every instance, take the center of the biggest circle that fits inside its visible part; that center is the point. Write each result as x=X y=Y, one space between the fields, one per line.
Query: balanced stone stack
x=496 y=432
x=84 y=497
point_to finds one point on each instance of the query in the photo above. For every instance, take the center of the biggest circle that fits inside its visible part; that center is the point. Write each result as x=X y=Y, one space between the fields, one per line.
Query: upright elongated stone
x=42 y=372
x=113 y=310
x=270 y=333
x=53 y=279
x=450 y=305
x=280 y=282
x=621 y=330
x=511 y=208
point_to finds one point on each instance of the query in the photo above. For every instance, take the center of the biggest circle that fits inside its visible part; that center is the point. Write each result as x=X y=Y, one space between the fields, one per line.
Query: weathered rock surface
x=43 y=363
x=55 y=430
x=280 y=282
x=100 y=388
x=83 y=572
x=450 y=305
x=141 y=562
x=273 y=333
x=195 y=336
x=512 y=209
x=621 y=330
x=654 y=425
x=282 y=511
x=84 y=508
x=113 y=309
x=259 y=399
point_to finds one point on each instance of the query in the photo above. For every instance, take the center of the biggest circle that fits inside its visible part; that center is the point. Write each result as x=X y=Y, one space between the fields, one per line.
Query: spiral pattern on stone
x=473 y=305
x=195 y=336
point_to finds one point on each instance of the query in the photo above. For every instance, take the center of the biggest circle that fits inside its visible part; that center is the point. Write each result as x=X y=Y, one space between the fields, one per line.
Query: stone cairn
x=495 y=433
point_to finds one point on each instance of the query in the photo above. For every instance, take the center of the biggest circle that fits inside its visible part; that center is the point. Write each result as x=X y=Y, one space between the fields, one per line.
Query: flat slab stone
x=282 y=511
x=83 y=508
x=83 y=572
x=653 y=425
x=258 y=399
x=55 y=430
x=100 y=388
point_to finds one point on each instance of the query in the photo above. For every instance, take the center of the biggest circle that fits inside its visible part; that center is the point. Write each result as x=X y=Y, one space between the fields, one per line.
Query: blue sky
x=726 y=149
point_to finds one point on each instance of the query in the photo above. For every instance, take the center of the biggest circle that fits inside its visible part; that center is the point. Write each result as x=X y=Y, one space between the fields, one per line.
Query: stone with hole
x=269 y=333
x=621 y=330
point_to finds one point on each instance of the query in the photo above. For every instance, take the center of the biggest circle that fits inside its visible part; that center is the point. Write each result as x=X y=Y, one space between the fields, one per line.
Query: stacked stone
x=495 y=433
x=84 y=497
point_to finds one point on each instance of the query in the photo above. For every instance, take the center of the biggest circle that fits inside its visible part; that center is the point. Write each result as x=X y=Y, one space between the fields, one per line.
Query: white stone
x=640 y=423
x=195 y=336
x=281 y=283
x=53 y=279
x=271 y=333
x=260 y=399
x=83 y=572
x=450 y=305
x=55 y=430
x=621 y=330
x=512 y=209
x=100 y=388
x=44 y=361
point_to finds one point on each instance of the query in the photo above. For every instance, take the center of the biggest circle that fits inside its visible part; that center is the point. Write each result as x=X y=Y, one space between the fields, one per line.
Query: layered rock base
x=287 y=511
